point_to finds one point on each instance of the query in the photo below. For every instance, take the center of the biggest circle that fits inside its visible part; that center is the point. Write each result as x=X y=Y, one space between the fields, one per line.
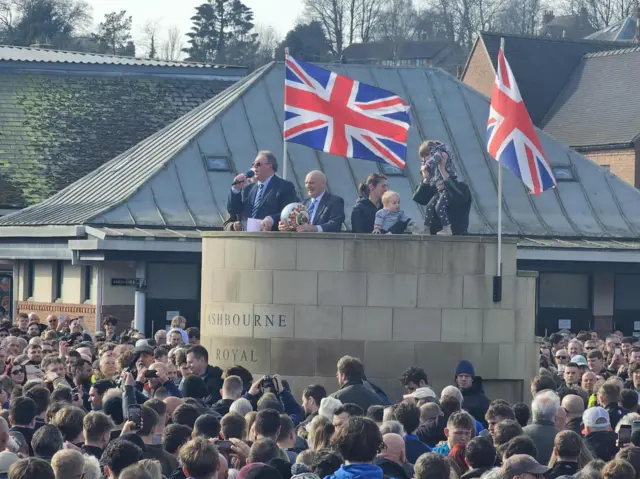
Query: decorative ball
x=294 y=215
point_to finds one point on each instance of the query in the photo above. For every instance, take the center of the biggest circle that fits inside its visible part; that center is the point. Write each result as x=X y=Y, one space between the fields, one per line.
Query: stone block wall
x=294 y=304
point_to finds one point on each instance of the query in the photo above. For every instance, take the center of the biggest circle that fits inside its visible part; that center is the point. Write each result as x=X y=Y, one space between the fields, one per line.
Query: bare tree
x=149 y=39
x=171 y=47
x=268 y=40
x=369 y=12
x=332 y=14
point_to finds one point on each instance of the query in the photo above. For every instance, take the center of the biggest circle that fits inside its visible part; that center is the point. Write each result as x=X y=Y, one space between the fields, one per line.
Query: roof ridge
x=620 y=51
x=107 y=56
x=551 y=39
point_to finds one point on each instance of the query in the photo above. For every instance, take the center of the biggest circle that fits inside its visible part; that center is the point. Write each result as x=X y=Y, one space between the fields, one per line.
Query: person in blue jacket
x=358 y=441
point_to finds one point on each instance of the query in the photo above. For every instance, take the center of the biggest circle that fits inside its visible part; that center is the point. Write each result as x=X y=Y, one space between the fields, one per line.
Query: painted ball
x=294 y=215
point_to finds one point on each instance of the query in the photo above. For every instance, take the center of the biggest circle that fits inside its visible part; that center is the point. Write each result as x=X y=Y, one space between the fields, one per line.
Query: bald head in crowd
x=394 y=448
x=574 y=405
x=172 y=403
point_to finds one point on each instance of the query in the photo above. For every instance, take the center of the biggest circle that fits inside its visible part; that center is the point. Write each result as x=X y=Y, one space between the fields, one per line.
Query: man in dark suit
x=266 y=197
x=326 y=210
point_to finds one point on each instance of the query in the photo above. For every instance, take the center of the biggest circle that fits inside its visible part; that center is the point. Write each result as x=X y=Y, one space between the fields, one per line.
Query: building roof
x=597 y=106
x=42 y=55
x=407 y=50
x=621 y=31
x=163 y=181
x=567 y=26
x=60 y=120
x=541 y=65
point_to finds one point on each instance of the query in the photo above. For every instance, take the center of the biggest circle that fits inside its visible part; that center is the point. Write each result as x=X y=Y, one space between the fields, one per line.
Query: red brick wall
x=621 y=162
x=479 y=74
x=88 y=311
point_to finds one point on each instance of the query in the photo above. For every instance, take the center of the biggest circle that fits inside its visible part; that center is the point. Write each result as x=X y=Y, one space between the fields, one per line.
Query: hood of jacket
x=603 y=444
x=391 y=468
x=358 y=471
x=476 y=387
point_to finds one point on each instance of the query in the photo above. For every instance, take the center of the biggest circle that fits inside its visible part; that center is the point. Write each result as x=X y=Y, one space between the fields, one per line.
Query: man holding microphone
x=265 y=197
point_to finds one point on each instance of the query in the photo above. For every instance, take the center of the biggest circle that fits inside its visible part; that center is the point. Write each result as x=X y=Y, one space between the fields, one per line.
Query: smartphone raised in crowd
x=134 y=413
x=624 y=436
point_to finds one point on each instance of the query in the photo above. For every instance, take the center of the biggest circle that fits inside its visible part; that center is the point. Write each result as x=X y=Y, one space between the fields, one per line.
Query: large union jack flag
x=338 y=115
x=511 y=137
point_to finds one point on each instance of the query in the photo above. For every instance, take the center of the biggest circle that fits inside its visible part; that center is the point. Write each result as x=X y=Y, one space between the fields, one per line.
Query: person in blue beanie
x=475 y=401
x=358 y=441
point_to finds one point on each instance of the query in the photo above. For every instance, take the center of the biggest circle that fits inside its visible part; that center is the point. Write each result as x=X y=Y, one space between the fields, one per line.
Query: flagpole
x=497 y=279
x=285 y=156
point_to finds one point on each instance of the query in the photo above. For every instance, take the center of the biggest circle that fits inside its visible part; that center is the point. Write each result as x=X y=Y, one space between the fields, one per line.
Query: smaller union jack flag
x=338 y=115
x=511 y=137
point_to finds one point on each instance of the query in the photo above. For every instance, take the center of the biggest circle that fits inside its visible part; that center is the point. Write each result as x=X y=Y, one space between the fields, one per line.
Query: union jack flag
x=511 y=137
x=338 y=115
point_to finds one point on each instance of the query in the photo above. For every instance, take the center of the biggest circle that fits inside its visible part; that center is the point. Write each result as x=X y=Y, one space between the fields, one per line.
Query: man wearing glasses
x=266 y=197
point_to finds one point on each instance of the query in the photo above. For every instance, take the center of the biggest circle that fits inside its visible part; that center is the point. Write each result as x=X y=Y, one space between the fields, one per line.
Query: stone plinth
x=295 y=303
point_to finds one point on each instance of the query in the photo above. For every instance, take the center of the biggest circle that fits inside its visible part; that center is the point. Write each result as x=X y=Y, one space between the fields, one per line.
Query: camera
x=268 y=385
x=150 y=374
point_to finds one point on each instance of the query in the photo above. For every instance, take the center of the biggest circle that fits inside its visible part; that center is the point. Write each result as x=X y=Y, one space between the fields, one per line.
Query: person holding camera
x=275 y=385
x=155 y=377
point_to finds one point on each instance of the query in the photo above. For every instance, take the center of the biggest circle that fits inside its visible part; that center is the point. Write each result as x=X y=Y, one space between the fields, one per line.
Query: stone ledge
x=358 y=236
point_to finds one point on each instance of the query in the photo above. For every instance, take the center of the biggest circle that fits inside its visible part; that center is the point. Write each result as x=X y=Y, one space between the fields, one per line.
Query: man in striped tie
x=266 y=197
x=326 y=211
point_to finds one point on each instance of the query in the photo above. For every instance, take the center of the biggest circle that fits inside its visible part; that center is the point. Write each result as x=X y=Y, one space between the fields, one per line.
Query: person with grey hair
x=542 y=431
x=392 y=427
x=241 y=406
x=266 y=197
x=327 y=407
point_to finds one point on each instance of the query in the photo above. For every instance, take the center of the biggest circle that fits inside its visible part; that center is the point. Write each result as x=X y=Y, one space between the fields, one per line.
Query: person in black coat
x=369 y=202
x=474 y=401
x=326 y=210
x=352 y=388
x=459 y=200
x=266 y=197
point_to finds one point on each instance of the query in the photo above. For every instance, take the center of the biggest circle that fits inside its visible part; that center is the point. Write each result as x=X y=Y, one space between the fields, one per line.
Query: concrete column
x=140 y=295
x=16 y=290
x=99 y=290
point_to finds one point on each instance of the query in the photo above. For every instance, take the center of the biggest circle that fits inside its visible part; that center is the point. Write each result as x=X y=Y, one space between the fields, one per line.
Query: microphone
x=248 y=174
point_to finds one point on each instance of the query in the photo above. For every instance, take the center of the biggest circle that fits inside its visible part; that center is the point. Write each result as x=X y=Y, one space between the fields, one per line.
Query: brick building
x=126 y=237
x=575 y=90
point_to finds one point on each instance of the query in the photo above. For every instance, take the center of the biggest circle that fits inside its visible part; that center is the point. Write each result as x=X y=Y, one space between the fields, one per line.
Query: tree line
x=225 y=31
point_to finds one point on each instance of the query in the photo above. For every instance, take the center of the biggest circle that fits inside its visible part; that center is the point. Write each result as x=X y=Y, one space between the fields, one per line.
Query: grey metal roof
x=162 y=182
x=26 y=54
x=623 y=30
x=595 y=107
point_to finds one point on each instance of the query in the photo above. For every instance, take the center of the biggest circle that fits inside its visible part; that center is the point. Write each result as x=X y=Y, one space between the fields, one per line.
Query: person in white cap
x=598 y=434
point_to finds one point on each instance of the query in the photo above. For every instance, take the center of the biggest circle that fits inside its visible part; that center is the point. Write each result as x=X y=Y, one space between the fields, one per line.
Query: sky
x=281 y=14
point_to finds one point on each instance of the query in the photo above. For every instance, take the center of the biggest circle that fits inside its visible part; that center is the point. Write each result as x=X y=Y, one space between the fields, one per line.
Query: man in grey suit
x=326 y=210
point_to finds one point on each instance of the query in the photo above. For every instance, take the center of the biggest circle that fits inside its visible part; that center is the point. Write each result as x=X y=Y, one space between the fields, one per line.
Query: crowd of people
x=87 y=405
x=261 y=196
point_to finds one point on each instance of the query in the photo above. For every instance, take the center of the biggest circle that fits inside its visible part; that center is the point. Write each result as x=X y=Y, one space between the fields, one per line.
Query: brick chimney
x=547 y=16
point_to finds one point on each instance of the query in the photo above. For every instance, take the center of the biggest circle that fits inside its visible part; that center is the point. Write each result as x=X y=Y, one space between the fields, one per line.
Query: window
x=59 y=276
x=88 y=283
x=31 y=278
x=390 y=170
x=217 y=163
x=563 y=173
x=564 y=291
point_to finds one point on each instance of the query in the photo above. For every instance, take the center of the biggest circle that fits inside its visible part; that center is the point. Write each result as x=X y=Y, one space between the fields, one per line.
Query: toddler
x=391 y=219
x=432 y=153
